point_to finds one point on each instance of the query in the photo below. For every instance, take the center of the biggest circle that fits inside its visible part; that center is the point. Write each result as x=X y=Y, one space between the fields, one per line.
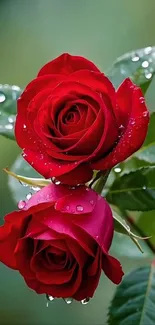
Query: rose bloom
x=71 y=120
x=59 y=242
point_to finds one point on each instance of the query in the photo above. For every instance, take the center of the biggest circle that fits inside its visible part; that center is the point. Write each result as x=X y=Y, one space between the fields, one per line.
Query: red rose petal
x=112 y=268
x=80 y=200
x=134 y=132
x=66 y=64
x=98 y=224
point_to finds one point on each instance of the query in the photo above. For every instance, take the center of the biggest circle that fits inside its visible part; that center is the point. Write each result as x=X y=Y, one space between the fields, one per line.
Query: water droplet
x=145 y=64
x=28 y=196
x=117 y=170
x=67 y=208
x=73 y=188
x=24 y=126
x=50 y=298
x=23 y=184
x=9 y=126
x=142 y=100
x=145 y=113
x=35 y=188
x=15 y=88
x=121 y=126
x=144 y=187
x=148 y=75
x=79 y=208
x=148 y=50
x=11 y=119
x=135 y=58
x=21 y=204
x=2 y=97
x=91 y=202
x=68 y=301
x=85 y=301
x=132 y=122
x=55 y=181
x=88 y=189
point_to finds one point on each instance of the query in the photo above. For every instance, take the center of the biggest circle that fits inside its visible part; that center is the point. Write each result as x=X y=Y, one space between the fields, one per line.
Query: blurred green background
x=33 y=32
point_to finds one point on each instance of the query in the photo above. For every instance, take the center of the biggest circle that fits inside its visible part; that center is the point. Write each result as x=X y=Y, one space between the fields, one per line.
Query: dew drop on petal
x=28 y=196
x=85 y=301
x=121 y=126
x=91 y=202
x=21 y=204
x=79 y=208
x=68 y=301
x=35 y=188
x=145 y=113
x=50 y=298
x=132 y=122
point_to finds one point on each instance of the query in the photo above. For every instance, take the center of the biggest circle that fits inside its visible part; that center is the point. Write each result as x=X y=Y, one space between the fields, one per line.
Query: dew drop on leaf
x=9 y=126
x=145 y=64
x=117 y=170
x=135 y=58
x=2 y=97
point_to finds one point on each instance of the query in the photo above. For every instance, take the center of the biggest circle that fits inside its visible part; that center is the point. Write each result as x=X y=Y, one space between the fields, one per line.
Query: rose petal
x=66 y=64
x=112 y=268
x=60 y=291
x=80 y=200
x=23 y=253
x=99 y=224
x=134 y=132
x=90 y=283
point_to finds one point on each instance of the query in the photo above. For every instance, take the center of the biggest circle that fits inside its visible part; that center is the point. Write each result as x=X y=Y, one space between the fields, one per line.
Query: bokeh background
x=33 y=32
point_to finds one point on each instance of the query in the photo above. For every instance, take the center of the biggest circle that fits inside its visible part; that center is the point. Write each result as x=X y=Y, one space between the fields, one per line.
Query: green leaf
x=19 y=189
x=121 y=226
x=146 y=222
x=39 y=182
x=134 y=301
x=139 y=65
x=8 y=98
x=122 y=246
x=134 y=191
x=147 y=151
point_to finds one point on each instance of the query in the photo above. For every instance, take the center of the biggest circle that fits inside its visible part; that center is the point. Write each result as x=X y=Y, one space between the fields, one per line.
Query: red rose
x=60 y=241
x=71 y=120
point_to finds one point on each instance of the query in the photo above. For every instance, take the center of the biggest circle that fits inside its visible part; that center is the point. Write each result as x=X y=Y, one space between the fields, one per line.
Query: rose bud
x=71 y=120
x=60 y=240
